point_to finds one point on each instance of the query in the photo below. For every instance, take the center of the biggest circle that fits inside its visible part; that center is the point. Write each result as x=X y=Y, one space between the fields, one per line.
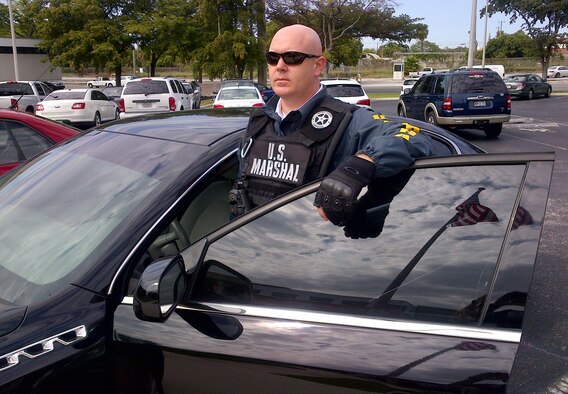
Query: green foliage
x=511 y=45
x=425 y=46
x=391 y=48
x=4 y=21
x=541 y=19
x=346 y=52
x=411 y=64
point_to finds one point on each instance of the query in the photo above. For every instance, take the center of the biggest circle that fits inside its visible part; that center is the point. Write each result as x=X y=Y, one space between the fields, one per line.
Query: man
x=291 y=141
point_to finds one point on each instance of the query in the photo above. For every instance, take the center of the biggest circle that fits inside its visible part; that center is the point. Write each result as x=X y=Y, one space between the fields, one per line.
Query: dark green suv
x=472 y=98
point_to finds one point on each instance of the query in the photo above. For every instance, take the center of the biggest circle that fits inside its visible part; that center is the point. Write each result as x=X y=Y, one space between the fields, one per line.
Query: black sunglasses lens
x=290 y=58
x=272 y=58
x=293 y=58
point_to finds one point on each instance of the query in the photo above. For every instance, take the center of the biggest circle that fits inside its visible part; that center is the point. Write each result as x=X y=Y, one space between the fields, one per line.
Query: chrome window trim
x=446 y=330
x=47 y=345
x=123 y=264
x=446 y=139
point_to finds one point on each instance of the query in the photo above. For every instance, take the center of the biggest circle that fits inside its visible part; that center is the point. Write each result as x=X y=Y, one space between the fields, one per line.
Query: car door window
x=426 y=248
x=173 y=86
x=203 y=210
x=440 y=87
x=426 y=86
x=29 y=141
x=8 y=151
x=39 y=89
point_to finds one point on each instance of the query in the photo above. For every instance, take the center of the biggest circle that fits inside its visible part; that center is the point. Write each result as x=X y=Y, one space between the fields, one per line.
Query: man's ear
x=320 y=65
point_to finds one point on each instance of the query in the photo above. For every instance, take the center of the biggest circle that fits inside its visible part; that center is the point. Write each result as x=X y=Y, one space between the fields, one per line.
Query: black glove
x=366 y=223
x=339 y=190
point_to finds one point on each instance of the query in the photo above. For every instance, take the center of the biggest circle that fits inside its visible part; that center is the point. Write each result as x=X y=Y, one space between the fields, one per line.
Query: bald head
x=297 y=38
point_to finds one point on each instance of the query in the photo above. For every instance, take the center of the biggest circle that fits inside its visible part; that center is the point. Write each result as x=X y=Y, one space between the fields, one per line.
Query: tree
x=346 y=52
x=4 y=21
x=344 y=19
x=27 y=17
x=391 y=48
x=83 y=33
x=164 y=27
x=542 y=20
x=231 y=46
x=424 y=46
x=511 y=45
x=421 y=34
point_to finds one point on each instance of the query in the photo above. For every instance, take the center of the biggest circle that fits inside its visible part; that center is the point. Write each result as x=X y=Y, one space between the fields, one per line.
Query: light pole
x=472 y=35
x=14 y=49
x=484 y=36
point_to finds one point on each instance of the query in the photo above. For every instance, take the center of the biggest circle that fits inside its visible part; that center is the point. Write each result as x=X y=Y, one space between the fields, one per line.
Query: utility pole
x=472 y=33
x=484 y=36
x=14 y=48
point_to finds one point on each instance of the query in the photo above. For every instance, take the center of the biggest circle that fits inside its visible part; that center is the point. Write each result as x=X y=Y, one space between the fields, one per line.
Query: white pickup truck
x=101 y=82
x=22 y=95
x=425 y=71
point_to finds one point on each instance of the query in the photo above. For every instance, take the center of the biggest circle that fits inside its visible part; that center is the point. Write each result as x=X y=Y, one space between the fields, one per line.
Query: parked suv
x=470 y=98
x=153 y=94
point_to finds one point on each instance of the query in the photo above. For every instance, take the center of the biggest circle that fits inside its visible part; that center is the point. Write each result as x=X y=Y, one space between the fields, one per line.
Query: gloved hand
x=339 y=190
x=366 y=223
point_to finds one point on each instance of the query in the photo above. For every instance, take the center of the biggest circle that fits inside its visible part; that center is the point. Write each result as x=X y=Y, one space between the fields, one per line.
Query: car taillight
x=255 y=105
x=14 y=104
x=364 y=102
x=39 y=107
x=78 y=106
x=172 y=104
x=447 y=105
x=121 y=106
x=218 y=106
x=508 y=102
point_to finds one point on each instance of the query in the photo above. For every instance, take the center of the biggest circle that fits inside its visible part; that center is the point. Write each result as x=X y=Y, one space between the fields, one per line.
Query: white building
x=32 y=63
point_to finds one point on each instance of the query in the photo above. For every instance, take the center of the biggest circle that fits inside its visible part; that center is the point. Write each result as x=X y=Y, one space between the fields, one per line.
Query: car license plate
x=480 y=103
x=146 y=105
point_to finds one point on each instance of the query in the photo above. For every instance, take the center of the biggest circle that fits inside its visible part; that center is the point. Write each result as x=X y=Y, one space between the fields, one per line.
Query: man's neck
x=284 y=106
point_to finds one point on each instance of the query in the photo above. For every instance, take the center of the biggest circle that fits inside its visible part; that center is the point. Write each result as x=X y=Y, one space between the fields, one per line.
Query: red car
x=23 y=135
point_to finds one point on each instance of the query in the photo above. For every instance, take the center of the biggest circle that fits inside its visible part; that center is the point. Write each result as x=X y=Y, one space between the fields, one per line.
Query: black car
x=472 y=98
x=121 y=271
x=265 y=91
x=527 y=86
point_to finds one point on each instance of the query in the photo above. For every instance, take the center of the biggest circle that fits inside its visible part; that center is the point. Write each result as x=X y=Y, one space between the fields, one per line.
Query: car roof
x=339 y=81
x=200 y=127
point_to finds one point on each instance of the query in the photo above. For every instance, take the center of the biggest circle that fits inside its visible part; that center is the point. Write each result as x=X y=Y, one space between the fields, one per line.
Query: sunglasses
x=290 y=58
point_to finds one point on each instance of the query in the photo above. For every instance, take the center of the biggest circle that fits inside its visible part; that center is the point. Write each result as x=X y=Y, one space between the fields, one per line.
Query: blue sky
x=449 y=21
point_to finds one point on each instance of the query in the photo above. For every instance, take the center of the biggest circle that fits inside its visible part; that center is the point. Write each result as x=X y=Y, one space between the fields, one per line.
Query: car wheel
x=117 y=115
x=548 y=92
x=493 y=130
x=401 y=111
x=109 y=85
x=97 y=120
x=530 y=94
x=431 y=118
x=90 y=85
x=557 y=75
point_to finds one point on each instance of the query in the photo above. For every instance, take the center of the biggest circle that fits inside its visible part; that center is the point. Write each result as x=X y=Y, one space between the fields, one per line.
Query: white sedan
x=557 y=72
x=238 y=96
x=79 y=107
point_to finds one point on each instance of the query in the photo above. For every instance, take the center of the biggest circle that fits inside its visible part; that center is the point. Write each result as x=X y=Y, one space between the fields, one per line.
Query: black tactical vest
x=276 y=164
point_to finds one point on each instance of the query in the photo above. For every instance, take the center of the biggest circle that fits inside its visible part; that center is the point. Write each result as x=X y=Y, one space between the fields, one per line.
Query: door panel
x=283 y=300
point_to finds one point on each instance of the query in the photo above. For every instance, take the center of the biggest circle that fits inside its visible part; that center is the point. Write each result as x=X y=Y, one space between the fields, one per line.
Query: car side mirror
x=161 y=287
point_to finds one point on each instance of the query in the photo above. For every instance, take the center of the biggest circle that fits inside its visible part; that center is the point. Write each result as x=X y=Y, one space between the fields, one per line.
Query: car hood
x=11 y=316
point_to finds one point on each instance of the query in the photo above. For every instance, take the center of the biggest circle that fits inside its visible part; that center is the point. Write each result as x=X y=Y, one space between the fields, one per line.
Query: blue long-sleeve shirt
x=392 y=145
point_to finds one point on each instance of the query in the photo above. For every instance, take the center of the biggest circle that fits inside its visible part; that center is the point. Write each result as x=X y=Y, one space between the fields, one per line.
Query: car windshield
x=146 y=86
x=61 y=95
x=345 y=90
x=478 y=83
x=238 y=94
x=59 y=213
